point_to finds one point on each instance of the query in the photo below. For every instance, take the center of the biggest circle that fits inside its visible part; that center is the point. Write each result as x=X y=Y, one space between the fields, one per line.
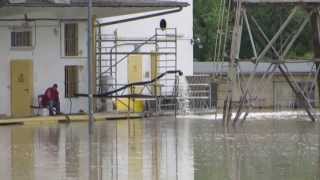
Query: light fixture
x=55 y=31
x=25 y=23
x=163 y=24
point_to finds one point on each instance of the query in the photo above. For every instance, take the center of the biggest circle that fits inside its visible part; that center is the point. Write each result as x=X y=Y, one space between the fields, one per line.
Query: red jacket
x=50 y=94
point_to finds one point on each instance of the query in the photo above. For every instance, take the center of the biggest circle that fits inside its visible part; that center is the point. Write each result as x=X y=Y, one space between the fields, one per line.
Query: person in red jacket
x=51 y=100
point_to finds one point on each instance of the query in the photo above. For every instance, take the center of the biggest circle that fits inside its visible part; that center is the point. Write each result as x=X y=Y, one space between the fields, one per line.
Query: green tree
x=205 y=27
x=270 y=19
x=206 y=16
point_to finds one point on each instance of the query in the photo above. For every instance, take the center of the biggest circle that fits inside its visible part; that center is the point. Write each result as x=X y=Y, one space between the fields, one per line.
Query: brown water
x=162 y=149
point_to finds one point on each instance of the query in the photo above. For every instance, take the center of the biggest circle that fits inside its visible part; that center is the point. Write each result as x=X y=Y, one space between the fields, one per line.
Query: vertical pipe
x=210 y=96
x=176 y=84
x=156 y=68
x=115 y=59
x=175 y=76
x=90 y=97
x=89 y=48
x=94 y=59
x=101 y=85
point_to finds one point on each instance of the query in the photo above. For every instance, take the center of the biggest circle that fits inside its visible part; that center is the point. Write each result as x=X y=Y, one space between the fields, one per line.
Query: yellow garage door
x=21 y=87
x=134 y=68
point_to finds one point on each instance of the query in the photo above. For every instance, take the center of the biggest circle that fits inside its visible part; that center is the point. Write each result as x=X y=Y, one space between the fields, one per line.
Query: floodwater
x=162 y=149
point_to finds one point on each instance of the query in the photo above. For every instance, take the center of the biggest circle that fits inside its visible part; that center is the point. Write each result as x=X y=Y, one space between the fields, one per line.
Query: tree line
x=206 y=16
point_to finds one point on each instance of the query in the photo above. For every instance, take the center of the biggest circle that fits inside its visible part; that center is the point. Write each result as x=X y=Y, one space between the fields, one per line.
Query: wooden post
x=234 y=54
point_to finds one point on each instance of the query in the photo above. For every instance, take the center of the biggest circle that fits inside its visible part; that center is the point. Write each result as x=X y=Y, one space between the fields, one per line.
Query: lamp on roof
x=25 y=24
x=26 y=17
x=163 y=24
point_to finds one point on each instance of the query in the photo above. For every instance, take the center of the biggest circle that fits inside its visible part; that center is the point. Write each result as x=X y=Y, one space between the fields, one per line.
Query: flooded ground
x=162 y=149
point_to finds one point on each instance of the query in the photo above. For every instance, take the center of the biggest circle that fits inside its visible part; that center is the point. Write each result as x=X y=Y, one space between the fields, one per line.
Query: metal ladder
x=106 y=48
x=166 y=46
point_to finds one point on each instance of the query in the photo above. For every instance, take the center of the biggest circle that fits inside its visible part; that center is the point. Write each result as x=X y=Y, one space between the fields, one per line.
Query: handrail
x=133 y=84
x=126 y=44
x=134 y=50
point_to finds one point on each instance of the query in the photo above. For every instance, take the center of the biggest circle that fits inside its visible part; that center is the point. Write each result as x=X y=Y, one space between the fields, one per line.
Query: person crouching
x=51 y=100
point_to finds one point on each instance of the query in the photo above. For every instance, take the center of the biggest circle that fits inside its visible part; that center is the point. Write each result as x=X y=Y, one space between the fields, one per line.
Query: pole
x=90 y=94
x=234 y=54
x=89 y=45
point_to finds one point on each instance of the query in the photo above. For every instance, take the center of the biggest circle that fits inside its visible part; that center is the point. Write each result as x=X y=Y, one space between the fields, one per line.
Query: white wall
x=48 y=62
x=145 y=28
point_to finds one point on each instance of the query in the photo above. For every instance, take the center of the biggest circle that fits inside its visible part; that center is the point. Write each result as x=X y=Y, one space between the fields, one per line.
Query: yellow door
x=154 y=73
x=134 y=75
x=135 y=70
x=21 y=87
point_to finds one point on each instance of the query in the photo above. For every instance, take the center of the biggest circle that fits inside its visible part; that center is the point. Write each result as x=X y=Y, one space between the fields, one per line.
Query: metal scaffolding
x=112 y=50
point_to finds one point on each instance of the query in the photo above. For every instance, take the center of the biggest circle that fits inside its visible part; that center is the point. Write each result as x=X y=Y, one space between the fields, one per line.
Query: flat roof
x=76 y=9
x=247 y=67
x=281 y=1
x=95 y=3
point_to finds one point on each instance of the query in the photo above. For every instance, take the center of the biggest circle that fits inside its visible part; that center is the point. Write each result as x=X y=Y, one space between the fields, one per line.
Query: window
x=71 y=39
x=21 y=38
x=71 y=80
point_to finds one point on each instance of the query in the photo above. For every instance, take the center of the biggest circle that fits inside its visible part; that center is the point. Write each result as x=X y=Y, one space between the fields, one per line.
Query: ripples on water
x=162 y=148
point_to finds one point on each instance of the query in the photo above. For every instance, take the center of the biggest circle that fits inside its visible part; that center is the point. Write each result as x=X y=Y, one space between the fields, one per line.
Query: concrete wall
x=48 y=61
x=145 y=28
x=272 y=93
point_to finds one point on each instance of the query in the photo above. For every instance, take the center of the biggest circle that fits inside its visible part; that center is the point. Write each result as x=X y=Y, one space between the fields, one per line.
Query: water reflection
x=22 y=153
x=162 y=149
x=259 y=150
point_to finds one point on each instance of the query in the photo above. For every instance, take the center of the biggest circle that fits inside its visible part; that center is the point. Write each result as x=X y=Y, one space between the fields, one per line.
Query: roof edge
x=99 y=3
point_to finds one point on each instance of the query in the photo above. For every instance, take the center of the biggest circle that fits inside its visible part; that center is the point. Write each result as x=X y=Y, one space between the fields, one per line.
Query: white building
x=45 y=42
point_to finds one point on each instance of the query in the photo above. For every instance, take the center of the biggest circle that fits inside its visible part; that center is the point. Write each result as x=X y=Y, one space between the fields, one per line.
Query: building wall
x=272 y=93
x=48 y=61
x=145 y=28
